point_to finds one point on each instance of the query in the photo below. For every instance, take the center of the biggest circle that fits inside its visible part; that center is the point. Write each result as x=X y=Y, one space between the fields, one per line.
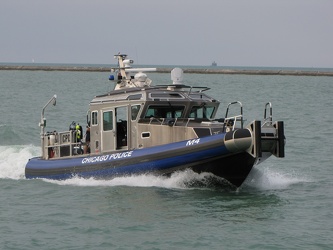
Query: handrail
x=270 y=118
x=42 y=123
x=165 y=121
x=227 y=120
x=157 y=119
x=65 y=139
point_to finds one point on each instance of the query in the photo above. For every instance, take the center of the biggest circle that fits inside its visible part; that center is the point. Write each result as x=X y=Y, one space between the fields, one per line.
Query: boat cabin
x=138 y=118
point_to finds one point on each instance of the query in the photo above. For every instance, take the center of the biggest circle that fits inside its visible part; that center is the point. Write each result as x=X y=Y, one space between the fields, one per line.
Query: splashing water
x=14 y=158
x=180 y=180
x=265 y=180
x=268 y=179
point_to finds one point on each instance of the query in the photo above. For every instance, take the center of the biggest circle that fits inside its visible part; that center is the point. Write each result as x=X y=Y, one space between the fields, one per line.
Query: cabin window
x=94 y=118
x=135 y=111
x=202 y=112
x=134 y=97
x=164 y=111
x=107 y=120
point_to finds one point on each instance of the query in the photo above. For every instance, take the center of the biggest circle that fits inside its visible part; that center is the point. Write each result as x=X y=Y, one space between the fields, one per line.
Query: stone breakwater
x=168 y=70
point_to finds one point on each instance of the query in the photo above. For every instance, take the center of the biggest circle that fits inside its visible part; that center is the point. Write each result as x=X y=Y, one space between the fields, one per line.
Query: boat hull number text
x=193 y=142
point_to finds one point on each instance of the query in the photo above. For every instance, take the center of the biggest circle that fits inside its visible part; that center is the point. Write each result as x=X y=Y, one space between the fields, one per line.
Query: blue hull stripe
x=164 y=158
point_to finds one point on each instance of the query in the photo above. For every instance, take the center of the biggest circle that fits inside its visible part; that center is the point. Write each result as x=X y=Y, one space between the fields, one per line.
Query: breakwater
x=186 y=70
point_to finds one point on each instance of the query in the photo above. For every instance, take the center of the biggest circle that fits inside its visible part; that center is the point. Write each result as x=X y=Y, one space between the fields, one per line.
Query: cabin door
x=122 y=127
x=108 y=131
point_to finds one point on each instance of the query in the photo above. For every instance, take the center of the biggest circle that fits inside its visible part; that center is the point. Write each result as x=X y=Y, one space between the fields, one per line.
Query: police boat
x=140 y=128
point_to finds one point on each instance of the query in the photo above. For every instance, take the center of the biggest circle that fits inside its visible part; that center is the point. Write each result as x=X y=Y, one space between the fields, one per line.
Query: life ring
x=65 y=138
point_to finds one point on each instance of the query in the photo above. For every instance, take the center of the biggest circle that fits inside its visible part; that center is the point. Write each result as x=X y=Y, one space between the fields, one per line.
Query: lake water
x=284 y=204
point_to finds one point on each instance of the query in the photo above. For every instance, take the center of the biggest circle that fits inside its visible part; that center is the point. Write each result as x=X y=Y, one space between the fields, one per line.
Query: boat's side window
x=94 y=118
x=107 y=120
x=135 y=111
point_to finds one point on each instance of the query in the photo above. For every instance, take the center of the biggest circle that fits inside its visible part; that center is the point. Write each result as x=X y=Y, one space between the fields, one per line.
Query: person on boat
x=86 y=148
x=78 y=131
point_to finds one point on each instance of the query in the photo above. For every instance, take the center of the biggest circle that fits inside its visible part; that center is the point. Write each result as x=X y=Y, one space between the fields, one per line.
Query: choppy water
x=284 y=204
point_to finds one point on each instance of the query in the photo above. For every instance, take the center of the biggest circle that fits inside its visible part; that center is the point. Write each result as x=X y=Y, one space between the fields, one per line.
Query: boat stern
x=260 y=141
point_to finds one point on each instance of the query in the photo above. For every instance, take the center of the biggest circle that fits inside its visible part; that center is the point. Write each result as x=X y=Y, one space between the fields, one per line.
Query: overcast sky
x=274 y=33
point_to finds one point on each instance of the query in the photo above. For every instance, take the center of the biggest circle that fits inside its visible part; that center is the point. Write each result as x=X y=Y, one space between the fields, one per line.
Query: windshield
x=164 y=111
x=202 y=112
